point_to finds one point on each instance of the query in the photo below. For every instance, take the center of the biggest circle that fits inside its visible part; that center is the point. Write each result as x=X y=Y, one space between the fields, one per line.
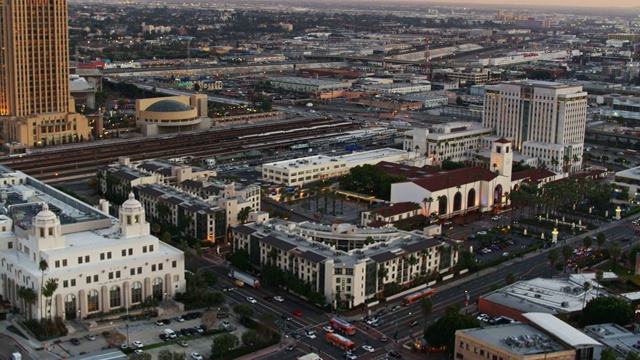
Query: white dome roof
x=132 y=203
x=45 y=214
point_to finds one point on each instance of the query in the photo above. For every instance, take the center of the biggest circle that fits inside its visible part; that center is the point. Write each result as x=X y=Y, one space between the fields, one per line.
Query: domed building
x=173 y=114
x=102 y=264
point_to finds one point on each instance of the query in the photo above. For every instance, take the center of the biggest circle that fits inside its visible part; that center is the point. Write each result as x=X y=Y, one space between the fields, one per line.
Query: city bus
x=416 y=296
x=342 y=326
x=341 y=342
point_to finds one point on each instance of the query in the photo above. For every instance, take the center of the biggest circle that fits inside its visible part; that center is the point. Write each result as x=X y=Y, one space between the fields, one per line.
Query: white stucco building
x=101 y=264
x=545 y=120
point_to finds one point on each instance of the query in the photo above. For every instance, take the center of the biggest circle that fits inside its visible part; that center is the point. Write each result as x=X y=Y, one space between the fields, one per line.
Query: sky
x=564 y=3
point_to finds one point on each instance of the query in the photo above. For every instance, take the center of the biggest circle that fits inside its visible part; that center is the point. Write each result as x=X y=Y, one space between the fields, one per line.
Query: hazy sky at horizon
x=565 y=3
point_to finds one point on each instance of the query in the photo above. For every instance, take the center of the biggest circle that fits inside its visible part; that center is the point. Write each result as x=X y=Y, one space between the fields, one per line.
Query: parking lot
x=148 y=333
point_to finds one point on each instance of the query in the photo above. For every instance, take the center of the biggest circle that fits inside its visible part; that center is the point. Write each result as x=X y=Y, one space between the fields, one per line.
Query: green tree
x=599 y=277
x=426 y=305
x=587 y=241
x=48 y=290
x=553 y=258
x=250 y=337
x=371 y=180
x=632 y=254
x=585 y=287
x=170 y=355
x=615 y=250
x=601 y=239
x=567 y=252
x=29 y=297
x=223 y=343
x=210 y=277
x=608 y=309
x=43 y=266
x=243 y=311
x=442 y=332
x=213 y=298
x=240 y=259
x=632 y=355
x=510 y=278
x=608 y=354
x=243 y=214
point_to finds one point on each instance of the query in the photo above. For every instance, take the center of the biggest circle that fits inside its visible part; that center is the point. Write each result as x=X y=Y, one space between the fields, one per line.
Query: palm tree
x=599 y=277
x=42 y=265
x=243 y=214
x=413 y=261
x=426 y=305
x=553 y=258
x=29 y=298
x=601 y=239
x=586 y=286
x=567 y=251
x=614 y=252
x=48 y=290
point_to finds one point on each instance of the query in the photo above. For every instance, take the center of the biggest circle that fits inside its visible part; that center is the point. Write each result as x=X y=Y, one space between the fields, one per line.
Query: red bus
x=411 y=298
x=341 y=342
x=342 y=326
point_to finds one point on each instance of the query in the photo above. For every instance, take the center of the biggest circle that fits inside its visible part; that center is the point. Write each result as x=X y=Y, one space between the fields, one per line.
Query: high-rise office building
x=545 y=120
x=36 y=108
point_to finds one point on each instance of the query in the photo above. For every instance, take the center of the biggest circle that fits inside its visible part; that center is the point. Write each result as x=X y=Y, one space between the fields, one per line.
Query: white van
x=170 y=333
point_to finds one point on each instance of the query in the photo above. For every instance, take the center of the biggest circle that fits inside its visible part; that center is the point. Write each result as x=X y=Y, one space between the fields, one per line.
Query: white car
x=310 y=334
x=482 y=232
x=196 y=356
x=137 y=344
x=368 y=348
x=371 y=321
x=138 y=351
x=251 y=300
x=179 y=318
x=327 y=328
x=351 y=356
x=278 y=298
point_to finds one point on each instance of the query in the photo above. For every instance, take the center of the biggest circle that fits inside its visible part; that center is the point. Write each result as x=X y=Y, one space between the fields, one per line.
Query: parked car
x=183 y=343
x=90 y=337
x=196 y=356
x=222 y=315
x=179 y=318
x=138 y=351
x=137 y=344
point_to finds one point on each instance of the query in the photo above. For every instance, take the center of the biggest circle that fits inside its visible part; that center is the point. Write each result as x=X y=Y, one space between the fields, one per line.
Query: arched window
x=93 y=303
x=497 y=195
x=442 y=205
x=471 y=198
x=457 y=202
x=115 y=299
x=136 y=293
x=70 y=307
x=157 y=288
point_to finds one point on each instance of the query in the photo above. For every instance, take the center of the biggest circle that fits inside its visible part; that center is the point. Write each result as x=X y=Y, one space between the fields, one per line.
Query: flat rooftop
x=355 y=157
x=518 y=338
x=389 y=242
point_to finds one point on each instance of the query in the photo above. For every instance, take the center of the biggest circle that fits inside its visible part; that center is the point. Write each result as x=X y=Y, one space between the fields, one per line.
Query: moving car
x=296 y=312
x=413 y=323
x=395 y=354
x=328 y=329
x=75 y=341
x=368 y=348
x=310 y=334
x=252 y=300
x=291 y=347
x=278 y=298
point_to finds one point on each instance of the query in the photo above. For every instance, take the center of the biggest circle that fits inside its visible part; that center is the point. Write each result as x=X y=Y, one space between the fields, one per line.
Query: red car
x=296 y=312
x=413 y=323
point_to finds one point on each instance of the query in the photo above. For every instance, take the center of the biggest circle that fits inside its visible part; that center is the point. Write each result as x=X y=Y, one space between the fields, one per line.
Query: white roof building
x=101 y=264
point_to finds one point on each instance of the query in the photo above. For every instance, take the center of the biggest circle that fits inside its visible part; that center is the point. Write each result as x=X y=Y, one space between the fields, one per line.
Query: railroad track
x=70 y=161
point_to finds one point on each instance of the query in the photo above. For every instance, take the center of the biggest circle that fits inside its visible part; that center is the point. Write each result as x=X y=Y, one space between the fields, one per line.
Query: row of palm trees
x=29 y=296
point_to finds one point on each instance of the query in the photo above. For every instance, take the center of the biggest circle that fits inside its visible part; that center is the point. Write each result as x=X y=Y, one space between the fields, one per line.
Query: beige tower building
x=36 y=108
x=544 y=120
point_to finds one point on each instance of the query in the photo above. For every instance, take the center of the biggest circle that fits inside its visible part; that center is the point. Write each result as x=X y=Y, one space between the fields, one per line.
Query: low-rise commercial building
x=297 y=172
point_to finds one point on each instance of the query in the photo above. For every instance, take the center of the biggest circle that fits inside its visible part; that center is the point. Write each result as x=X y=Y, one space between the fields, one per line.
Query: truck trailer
x=242 y=278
